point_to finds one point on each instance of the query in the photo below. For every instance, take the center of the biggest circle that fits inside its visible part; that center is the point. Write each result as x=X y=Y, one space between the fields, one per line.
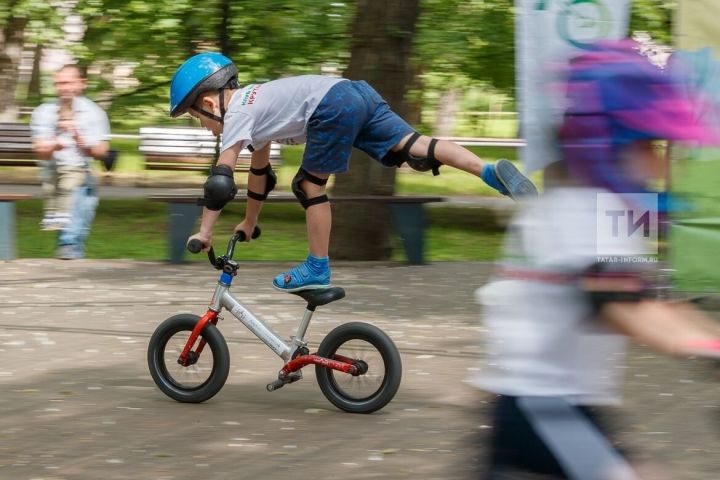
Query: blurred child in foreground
x=568 y=293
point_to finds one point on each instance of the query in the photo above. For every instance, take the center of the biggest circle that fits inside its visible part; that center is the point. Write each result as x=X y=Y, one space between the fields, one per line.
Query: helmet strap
x=207 y=114
x=222 y=104
x=211 y=115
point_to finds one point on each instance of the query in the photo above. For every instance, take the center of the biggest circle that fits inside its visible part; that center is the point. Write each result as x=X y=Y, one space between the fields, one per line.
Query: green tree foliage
x=468 y=40
x=265 y=38
x=459 y=44
x=654 y=17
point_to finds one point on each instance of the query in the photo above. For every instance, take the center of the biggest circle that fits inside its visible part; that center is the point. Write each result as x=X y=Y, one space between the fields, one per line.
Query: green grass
x=137 y=229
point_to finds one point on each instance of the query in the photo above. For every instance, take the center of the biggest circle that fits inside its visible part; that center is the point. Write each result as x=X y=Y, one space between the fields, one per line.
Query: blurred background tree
x=25 y=25
x=654 y=17
x=265 y=38
x=463 y=50
x=380 y=52
x=445 y=65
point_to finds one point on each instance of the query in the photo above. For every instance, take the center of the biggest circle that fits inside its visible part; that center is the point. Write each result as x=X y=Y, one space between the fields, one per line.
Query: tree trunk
x=413 y=105
x=382 y=36
x=446 y=112
x=223 y=34
x=11 y=44
x=34 y=92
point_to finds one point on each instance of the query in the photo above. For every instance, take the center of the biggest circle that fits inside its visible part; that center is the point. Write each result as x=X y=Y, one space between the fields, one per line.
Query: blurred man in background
x=67 y=134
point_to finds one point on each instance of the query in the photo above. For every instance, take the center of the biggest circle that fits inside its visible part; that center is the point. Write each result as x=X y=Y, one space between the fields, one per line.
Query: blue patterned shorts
x=352 y=114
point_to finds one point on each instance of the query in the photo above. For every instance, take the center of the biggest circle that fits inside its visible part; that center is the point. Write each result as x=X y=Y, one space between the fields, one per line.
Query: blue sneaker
x=508 y=180
x=312 y=274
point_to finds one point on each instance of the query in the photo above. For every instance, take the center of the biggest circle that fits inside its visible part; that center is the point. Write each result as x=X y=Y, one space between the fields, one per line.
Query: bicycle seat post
x=299 y=338
x=314 y=299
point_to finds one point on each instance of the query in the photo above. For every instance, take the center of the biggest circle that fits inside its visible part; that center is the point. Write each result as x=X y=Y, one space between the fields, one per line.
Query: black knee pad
x=270 y=182
x=421 y=164
x=306 y=202
x=219 y=188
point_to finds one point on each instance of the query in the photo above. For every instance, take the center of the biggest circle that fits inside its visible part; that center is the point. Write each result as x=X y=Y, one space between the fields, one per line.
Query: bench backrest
x=16 y=145
x=187 y=149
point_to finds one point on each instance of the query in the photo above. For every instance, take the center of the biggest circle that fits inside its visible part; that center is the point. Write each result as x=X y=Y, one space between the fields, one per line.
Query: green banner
x=695 y=234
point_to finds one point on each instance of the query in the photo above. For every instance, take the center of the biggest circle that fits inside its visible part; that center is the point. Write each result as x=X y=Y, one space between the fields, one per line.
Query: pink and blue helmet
x=616 y=96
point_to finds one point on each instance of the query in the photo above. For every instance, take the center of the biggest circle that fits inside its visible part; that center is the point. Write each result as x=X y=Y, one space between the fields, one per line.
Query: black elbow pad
x=604 y=283
x=219 y=188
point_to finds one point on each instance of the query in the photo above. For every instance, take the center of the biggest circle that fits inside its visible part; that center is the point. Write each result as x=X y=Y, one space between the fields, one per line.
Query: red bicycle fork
x=185 y=357
x=338 y=362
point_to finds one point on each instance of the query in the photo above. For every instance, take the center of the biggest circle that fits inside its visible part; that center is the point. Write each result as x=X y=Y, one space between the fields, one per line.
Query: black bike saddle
x=321 y=296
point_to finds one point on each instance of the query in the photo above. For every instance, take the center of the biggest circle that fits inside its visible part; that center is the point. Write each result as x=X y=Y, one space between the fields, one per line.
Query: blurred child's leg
x=49 y=199
x=69 y=179
x=48 y=178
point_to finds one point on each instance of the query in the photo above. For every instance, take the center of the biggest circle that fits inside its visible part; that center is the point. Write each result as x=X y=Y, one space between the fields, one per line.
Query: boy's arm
x=209 y=217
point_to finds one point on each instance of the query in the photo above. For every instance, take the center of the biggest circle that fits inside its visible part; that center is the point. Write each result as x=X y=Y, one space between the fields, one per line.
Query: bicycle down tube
x=256 y=326
x=224 y=299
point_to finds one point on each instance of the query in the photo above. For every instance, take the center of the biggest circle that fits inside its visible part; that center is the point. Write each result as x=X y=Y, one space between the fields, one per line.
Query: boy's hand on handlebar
x=205 y=240
x=247 y=227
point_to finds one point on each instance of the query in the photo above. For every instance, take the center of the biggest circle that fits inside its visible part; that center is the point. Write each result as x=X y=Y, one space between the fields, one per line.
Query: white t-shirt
x=90 y=120
x=274 y=111
x=542 y=337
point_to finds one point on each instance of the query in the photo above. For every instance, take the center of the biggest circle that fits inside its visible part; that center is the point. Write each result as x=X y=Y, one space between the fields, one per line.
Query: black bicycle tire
x=156 y=362
x=389 y=353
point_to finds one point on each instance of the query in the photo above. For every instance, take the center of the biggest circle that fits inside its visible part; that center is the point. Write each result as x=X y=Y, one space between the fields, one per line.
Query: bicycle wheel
x=379 y=359
x=202 y=379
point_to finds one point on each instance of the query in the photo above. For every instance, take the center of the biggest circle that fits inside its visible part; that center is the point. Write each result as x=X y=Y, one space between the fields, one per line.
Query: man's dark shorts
x=352 y=114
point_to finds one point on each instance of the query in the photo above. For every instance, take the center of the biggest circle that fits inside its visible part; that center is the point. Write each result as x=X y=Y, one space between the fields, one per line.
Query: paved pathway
x=77 y=401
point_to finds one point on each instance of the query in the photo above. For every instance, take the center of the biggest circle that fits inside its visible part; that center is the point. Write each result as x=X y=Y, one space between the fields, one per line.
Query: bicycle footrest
x=282 y=381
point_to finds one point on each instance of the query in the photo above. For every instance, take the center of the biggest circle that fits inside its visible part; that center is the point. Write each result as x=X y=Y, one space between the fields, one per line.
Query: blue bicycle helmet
x=199 y=74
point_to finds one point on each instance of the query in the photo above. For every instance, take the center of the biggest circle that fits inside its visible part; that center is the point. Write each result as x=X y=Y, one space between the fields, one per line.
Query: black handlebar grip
x=195 y=245
x=241 y=234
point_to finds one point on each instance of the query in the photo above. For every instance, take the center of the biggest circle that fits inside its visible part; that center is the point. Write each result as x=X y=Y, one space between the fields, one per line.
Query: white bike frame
x=222 y=298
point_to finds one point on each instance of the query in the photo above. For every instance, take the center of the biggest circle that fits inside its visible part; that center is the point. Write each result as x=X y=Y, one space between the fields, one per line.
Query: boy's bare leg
x=314 y=272
x=318 y=218
x=446 y=152
x=502 y=176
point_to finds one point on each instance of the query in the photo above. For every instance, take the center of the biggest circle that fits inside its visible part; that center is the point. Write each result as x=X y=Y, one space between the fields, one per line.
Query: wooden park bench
x=408 y=216
x=182 y=148
x=16 y=145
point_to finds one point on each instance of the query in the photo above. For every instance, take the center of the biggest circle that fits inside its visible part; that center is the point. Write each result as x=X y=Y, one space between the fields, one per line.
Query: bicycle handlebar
x=195 y=245
x=241 y=234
